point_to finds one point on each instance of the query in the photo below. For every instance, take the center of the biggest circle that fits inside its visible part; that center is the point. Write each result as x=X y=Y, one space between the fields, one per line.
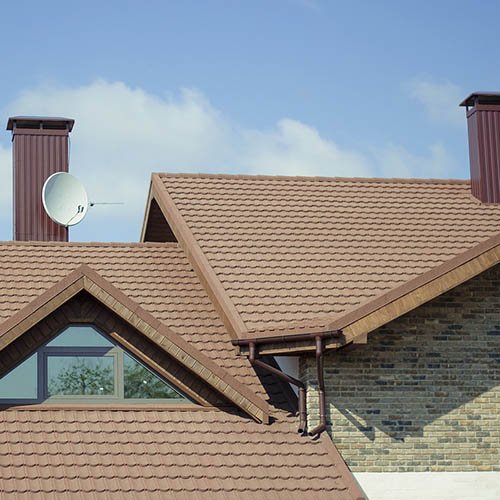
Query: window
x=82 y=364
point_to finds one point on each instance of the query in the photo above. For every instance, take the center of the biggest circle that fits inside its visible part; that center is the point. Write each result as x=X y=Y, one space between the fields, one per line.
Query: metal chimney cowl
x=483 y=123
x=39 y=149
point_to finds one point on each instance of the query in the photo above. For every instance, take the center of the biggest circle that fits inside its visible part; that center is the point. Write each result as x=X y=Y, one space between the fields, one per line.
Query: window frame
x=43 y=376
x=115 y=350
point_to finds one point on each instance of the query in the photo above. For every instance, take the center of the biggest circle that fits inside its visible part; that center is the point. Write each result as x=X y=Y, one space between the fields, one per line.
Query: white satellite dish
x=64 y=199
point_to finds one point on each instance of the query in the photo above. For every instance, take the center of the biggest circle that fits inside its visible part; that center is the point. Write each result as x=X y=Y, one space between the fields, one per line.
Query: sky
x=280 y=87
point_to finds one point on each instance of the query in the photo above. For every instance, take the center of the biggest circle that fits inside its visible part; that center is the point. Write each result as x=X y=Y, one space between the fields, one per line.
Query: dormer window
x=81 y=364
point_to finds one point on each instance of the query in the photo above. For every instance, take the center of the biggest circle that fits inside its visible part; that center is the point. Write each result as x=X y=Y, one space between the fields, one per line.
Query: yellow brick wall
x=424 y=393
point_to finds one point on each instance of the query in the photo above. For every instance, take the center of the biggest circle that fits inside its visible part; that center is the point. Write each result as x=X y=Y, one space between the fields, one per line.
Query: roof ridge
x=312 y=178
x=140 y=244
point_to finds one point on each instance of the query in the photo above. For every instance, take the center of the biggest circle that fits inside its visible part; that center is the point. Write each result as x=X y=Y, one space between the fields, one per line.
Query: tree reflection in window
x=139 y=382
x=80 y=375
x=83 y=364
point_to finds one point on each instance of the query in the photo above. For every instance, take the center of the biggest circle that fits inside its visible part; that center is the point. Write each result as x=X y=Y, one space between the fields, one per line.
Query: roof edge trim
x=40 y=307
x=394 y=303
x=230 y=316
x=147 y=210
x=420 y=290
x=85 y=278
x=347 y=475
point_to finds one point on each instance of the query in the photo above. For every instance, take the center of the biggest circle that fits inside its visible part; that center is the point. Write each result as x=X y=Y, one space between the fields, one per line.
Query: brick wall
x=424 y=393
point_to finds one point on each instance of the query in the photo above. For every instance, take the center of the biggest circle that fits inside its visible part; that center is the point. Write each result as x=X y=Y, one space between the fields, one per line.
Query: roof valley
x=291 y=251
x=209 y=279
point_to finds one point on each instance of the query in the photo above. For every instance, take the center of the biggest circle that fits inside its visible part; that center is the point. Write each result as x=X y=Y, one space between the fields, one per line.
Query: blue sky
x=278 y=87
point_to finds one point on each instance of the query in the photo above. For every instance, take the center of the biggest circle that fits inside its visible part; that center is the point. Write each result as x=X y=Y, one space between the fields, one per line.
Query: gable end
x=84 y=309
x=84 y=278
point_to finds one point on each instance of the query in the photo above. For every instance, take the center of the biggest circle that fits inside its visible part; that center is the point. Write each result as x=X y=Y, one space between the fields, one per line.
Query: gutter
x=278 y=339
x=319 y=339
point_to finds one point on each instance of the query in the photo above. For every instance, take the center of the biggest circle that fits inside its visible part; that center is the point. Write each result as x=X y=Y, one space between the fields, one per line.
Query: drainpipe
x=287 y=378
x=321 y=389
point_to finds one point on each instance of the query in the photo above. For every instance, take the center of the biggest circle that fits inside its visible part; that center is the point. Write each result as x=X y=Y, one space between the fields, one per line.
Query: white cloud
x=294 y=148
x=440 y=99
x=396 y=161
x=123 y=134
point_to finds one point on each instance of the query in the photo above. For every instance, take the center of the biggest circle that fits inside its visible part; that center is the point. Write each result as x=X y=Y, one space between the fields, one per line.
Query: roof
x=84 y=279
x=155 y=276
x=190 y=451
x=288 y=253
x=178 y=454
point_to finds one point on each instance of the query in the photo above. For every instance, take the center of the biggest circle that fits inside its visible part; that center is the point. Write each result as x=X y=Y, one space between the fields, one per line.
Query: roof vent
x=483 y=122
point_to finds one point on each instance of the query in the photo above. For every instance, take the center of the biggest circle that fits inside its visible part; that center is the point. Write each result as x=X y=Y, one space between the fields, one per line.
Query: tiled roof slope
x=291 y=250
x=116 y=454
x=130 y=453
x=156 y=276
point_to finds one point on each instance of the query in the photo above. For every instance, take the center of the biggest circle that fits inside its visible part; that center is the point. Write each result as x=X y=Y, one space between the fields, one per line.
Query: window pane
x=80 y=336
x=21 y=382
x=140 y=383
x=80 y=375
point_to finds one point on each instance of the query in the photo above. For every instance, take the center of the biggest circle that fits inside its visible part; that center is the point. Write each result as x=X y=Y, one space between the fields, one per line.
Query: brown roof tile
x=85 y=278
x=290 y=251
x=73 y=453
x=145 y=453
x=155 y=276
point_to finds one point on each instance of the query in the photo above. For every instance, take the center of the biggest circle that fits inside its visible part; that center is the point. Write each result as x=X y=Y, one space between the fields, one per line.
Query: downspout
x=321 y=389
x=252 y=357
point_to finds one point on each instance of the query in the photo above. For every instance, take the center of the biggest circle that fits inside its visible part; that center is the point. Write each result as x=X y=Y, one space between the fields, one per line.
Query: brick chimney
x=39 y=149
x=483 y=122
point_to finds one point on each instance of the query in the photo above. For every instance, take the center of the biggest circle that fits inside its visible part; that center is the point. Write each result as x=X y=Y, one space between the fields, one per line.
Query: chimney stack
x=39 y=149
x=483 y=123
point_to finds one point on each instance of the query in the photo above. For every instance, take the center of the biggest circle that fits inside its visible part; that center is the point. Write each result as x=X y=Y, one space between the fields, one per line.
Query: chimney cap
x=481 y=98
x=48 y=122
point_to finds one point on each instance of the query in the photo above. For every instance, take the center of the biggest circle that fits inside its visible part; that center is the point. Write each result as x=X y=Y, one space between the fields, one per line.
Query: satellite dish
x=64 y=199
